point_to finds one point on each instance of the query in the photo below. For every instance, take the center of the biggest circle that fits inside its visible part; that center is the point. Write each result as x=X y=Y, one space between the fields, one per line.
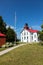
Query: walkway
x=9 y=49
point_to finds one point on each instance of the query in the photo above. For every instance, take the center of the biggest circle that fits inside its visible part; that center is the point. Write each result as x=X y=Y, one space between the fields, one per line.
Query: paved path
x=9 y=49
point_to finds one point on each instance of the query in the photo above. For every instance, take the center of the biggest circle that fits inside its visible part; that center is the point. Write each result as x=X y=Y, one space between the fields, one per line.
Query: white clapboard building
x=29 y=35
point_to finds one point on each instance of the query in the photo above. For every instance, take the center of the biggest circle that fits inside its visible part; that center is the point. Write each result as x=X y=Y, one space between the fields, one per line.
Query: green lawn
x=1 y=49
x=6 y=47
x=30 y=54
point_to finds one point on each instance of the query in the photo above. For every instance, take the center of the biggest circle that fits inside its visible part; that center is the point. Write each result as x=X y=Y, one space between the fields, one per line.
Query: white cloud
x=7 y=26
x=10 y=26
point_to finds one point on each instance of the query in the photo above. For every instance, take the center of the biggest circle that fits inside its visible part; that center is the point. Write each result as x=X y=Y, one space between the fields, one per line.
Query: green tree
x=11 y=35
x=42 y=27
x=2 y=25
x=41 y=33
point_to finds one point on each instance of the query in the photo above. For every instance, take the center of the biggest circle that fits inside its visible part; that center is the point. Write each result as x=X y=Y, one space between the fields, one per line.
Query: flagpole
x=15 y=27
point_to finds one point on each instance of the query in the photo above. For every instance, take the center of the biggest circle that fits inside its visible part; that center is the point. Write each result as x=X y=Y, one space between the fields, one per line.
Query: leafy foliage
x=42 y=26
x=41 y=36
x=11 y=35
x=41 y=33
x=2 y=25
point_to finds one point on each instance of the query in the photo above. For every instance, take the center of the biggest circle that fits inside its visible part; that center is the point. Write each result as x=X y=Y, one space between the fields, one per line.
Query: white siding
x=35 y=37
x=26 y=36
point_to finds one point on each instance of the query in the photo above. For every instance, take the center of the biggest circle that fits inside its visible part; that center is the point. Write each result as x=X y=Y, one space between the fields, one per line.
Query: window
x=24 y=38
x=32 y=37
x=35 y=36
x=27 y=33
x=35 y=40
x=27 y=37
x=31 y=33
x=24 y=33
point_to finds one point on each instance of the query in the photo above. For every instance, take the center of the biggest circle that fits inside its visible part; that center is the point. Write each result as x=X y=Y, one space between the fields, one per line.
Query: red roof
x=33 y=31
x=2 y=34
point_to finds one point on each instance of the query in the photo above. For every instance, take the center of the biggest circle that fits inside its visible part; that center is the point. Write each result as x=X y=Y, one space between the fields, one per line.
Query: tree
x=42 y=27
x=2 y=25
x=11 y=35
x=41 y=33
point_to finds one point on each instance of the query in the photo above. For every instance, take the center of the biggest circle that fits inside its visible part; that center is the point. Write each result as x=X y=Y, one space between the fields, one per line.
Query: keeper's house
x=29 y=35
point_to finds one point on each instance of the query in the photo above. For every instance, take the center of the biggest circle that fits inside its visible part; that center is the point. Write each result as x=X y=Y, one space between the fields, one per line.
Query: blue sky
x=27 y=11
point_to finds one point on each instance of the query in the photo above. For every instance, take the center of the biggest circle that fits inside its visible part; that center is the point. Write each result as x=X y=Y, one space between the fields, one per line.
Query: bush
x=9 y=45
x=41 y=43
x=17 y=43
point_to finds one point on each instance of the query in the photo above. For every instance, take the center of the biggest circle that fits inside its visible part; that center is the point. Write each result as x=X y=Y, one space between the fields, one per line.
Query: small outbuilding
x=2 y=39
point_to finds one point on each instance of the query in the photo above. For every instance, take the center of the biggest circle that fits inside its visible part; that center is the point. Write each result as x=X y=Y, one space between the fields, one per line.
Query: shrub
x=41 y=43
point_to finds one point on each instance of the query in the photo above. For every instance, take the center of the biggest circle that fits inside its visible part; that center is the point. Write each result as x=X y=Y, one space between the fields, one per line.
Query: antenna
x=15 y=27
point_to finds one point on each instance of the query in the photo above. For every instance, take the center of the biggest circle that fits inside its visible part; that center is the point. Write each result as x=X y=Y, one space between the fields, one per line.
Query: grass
x=6 y=46
x=2 y=48
x=30 y=54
